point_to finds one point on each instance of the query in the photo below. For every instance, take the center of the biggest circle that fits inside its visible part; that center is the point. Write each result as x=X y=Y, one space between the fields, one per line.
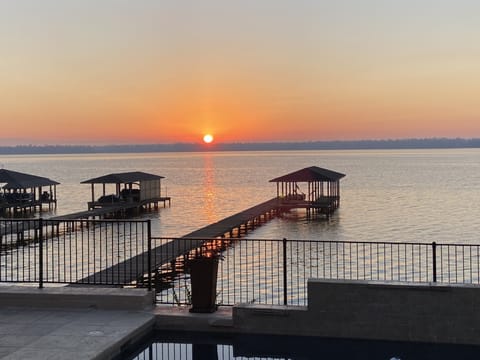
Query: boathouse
x=20 y=192
x=131 y=190
x=321 y=193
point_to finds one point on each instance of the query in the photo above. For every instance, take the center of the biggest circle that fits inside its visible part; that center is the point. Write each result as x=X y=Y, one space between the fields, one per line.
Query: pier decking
x=245 y=218
x=137 y=190
x=117 y=210
x=140 y=191
x=323 y=197
x=134 y=268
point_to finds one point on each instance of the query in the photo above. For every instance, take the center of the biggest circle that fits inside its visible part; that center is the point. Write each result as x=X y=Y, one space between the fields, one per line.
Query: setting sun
x=208 y=138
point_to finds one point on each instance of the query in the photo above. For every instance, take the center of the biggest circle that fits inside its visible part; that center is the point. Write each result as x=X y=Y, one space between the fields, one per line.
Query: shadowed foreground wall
x=373 y=310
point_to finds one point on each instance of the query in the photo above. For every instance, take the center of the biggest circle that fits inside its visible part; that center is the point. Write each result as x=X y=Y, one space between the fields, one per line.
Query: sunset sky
x=125 y=71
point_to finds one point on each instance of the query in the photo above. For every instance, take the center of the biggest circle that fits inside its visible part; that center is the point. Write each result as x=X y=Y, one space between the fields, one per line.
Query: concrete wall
x=77 y=297
x=373 y=310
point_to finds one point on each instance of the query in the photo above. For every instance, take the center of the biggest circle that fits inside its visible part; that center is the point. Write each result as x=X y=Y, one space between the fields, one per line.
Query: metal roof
x=123 y=178
x=310 y=174
x=18 y=180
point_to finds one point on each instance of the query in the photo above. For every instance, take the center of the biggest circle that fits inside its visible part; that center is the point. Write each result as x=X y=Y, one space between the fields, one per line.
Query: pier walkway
x=121 y=208
x=136 y=267
x=248 y=217
x=115 y=210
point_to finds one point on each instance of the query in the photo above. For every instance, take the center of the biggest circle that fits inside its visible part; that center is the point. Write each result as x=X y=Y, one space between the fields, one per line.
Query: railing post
x=40 y=253
x=434 y=261
x=149 y=231
x=285 y=299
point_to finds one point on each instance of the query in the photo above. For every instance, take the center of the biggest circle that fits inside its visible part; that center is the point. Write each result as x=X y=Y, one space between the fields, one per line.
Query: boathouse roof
x=18 y=180
x=123 y=178
x=310 y=174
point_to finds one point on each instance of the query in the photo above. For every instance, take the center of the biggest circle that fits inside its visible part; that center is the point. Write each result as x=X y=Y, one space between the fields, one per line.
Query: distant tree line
x=429 y=143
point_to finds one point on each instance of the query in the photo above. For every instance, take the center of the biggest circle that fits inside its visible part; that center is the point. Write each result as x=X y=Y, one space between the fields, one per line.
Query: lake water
x=387 y=195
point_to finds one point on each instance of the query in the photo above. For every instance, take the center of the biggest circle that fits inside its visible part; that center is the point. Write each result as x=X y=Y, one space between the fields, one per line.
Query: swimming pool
x=205 y=346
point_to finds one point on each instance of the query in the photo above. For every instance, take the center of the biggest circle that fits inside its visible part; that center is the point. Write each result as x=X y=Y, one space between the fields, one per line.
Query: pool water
x=206 y=346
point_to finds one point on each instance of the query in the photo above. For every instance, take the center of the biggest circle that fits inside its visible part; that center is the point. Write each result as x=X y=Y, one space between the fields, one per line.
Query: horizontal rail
x=266 y=271
x=274 y=271
x=70 y=251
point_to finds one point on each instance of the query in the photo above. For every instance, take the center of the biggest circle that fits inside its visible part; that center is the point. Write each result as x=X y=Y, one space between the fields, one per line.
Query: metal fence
x=275 y=272
x=69 y=251
x=117 y=252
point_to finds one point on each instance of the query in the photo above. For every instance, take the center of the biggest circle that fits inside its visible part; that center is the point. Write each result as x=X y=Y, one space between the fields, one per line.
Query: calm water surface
x=207 y=346
x=387 y=195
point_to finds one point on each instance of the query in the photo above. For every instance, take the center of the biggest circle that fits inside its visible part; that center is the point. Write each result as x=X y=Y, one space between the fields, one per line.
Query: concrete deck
x=72 y=322
x=49 y=333
x=79 y=333
x=89 y=323
x=178 y=318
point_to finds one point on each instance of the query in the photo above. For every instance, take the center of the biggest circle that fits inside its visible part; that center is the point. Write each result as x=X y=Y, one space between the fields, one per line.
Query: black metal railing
x=276 y=271
x=72 y=251
x=118 y=252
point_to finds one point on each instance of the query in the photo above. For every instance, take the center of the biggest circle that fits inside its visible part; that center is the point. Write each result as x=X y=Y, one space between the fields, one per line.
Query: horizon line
x=243 y=142
x=407 y=143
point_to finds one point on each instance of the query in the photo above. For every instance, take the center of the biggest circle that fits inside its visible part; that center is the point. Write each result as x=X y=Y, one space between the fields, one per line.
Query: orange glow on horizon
x=312 y=71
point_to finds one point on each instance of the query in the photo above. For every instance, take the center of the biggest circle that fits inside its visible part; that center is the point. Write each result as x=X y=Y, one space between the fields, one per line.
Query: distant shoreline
x=431 y=143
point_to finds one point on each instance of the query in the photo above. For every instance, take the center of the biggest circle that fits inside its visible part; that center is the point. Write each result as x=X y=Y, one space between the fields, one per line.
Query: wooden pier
x=115 y=210
x=19 y=228
x=136 y=267
x=141 y=191
x=244 y=220
x=323 y=198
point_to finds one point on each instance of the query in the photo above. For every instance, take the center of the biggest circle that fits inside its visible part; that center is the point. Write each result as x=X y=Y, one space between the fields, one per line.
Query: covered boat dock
x=322 y=197
x=322 y=194
x=22 y=192
x=131 y=191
